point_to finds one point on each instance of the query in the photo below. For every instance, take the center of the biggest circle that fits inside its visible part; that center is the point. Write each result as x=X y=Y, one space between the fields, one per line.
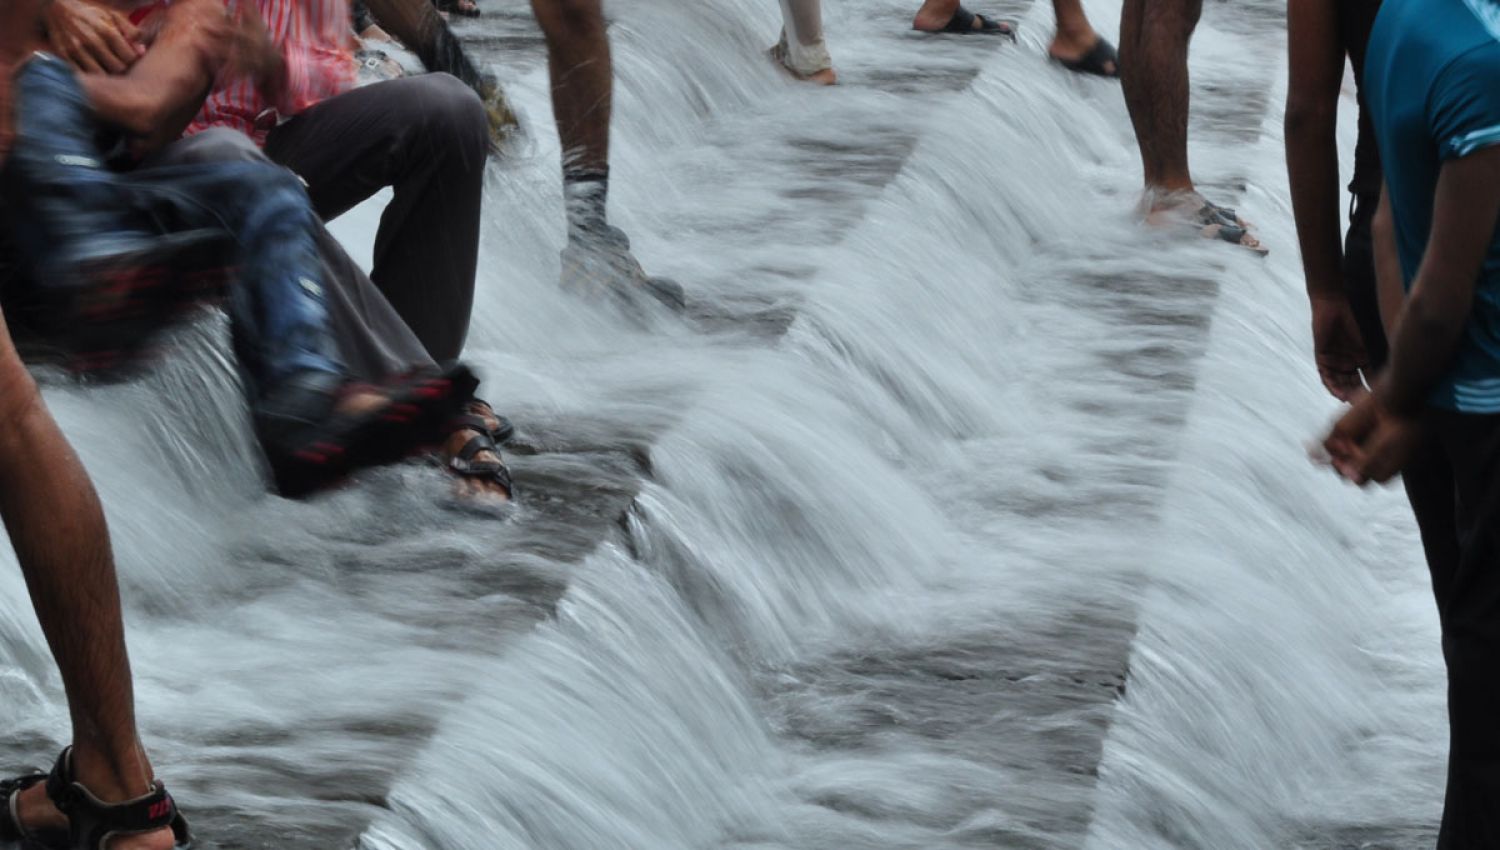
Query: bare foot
x=36 y=812
x=360 y=399
x=825 y=77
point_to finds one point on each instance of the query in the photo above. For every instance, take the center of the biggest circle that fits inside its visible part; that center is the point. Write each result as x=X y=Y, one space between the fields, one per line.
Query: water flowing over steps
x=1032 y=694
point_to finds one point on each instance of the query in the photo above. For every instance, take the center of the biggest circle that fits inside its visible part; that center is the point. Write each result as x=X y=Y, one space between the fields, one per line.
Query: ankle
x=113 y=777
x=1074 y=32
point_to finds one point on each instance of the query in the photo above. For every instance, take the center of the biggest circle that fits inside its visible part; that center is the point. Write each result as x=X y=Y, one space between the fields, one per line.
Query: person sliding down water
x=109 y=258
x=374 y=340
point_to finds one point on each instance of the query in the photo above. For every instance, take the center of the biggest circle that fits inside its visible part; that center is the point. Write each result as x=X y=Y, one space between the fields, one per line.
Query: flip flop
x=1102 y=60
x=962 y=23
x=460 y=8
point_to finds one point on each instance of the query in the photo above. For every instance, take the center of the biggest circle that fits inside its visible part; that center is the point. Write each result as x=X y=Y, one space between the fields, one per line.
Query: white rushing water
x=884 y=582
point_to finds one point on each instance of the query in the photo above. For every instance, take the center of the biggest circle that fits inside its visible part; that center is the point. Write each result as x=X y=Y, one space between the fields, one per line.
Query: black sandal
x=962 y=23
x=11 y=829
x=1229 y=227
x=478 y=420
x=459 y=7
x=464 y=465
x=309 y=447
x=1102 y=60
x=92 y=823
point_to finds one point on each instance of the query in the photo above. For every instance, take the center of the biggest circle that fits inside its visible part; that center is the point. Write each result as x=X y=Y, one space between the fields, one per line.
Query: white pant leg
x=802 y=47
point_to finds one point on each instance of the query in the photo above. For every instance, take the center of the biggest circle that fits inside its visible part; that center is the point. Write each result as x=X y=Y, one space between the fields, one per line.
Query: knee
x=221 y=144
x=453 y=115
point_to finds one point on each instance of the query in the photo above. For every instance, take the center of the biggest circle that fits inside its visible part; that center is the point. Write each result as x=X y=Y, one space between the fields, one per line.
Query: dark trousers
x=426 y=137
x=1454 y=486
x=63 y=203
x=373 y=341
x=1359 y=279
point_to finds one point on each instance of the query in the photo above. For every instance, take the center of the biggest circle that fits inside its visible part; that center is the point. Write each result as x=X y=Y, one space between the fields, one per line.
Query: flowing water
x=960 y=511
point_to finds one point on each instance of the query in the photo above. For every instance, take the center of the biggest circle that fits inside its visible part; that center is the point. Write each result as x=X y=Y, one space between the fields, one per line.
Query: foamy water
x=947 y=445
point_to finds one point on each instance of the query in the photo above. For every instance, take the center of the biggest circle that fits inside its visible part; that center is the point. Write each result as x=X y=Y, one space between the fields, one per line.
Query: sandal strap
x=480 y=442
x=962 y=21
x=465 y=465
x=479 y=414
x=93 y=822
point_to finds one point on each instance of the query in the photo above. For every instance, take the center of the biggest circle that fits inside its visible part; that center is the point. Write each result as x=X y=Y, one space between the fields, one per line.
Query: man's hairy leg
x=57 y=527
x=582 y=78
x=1154 y=39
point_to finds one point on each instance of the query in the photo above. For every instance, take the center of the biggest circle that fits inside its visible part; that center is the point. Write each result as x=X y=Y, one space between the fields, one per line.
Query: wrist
x=1327 y=290
x=1395 y=399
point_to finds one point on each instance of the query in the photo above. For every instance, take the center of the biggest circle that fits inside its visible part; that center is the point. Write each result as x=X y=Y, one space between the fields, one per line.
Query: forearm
x=158 y=97
x=1466 y=206
x=1312 y=163
x=1428 y=331
x=582 y=78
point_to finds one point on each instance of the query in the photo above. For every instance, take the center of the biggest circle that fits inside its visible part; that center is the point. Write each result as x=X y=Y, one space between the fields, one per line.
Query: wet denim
x=65 y=204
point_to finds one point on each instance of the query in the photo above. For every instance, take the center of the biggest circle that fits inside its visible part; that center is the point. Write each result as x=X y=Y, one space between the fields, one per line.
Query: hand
x=598 y=262
x=94 y=38
x=1370 y=443
x=253 y=53
x=1338 y=347
x=203 y=25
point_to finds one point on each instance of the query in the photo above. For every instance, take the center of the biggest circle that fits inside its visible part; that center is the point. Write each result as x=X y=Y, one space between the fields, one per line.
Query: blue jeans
x=65 y=205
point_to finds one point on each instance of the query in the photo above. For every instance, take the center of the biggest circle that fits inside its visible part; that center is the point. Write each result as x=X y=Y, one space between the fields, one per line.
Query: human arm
x=1373 y=441
x=197 y=45
x=1315 y=77
x=18 y=21
x=1430 y=325
x=92 y=36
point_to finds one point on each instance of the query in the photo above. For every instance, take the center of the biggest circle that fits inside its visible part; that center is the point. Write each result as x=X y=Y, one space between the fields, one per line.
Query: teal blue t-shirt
x=1432 y=82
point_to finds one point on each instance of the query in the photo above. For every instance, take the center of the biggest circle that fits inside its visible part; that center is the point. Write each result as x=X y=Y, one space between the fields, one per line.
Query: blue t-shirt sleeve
x=1464 y=104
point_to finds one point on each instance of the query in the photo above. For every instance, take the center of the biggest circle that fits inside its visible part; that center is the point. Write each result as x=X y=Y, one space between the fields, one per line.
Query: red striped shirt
x=314 y=37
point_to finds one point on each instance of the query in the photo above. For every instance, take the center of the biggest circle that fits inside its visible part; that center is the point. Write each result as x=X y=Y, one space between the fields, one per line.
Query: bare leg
x=57 y=528
x=1154 y=37
x=1075 y=36
x=582 y=77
